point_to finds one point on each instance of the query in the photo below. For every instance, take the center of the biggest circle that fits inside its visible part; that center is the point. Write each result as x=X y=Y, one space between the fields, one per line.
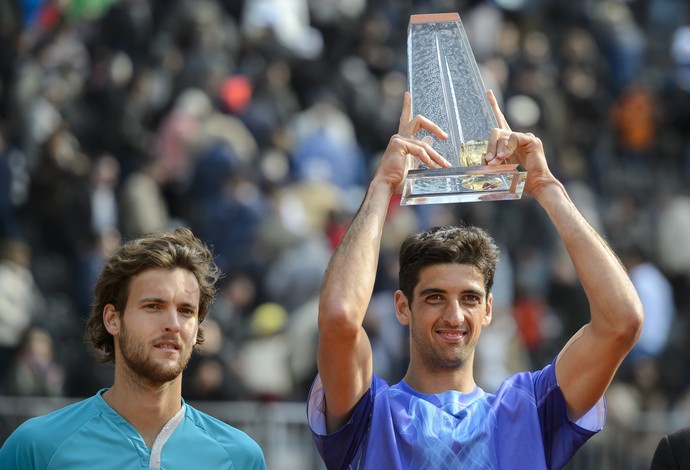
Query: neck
x=145 y=405
x=429 y=380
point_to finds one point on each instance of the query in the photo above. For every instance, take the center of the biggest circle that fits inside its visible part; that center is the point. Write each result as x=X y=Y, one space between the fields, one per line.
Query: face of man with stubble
x=156 y=334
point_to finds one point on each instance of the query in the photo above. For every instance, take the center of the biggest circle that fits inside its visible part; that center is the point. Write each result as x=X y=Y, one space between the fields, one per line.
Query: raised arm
x=344 y=354
x=588 y=362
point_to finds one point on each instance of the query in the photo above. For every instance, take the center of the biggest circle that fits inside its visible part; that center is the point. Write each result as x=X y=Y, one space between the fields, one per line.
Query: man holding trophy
x=437 y=417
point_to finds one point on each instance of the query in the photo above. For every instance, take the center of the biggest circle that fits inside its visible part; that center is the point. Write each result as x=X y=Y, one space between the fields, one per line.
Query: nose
x=172 y=321
x=453 y=315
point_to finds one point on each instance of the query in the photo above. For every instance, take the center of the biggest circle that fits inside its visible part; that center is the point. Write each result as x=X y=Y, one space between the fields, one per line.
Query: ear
x=111 y=319
x=402 y=308
x=488 y=314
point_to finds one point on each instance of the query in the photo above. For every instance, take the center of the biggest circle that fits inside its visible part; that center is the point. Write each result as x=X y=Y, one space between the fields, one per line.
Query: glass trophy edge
x=513 y=175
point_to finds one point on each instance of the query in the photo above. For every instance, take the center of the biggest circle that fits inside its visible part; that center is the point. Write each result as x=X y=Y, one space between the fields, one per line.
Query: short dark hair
x=170 y=250
x=443 y=245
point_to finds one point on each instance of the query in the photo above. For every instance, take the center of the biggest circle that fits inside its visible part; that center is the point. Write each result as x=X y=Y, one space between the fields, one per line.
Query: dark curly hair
x=443 y=245
x=176 y=249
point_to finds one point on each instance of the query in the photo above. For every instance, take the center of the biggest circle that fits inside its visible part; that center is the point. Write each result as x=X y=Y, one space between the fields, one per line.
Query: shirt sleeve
x=562 y=437
x=343 y=446
x=20 y=451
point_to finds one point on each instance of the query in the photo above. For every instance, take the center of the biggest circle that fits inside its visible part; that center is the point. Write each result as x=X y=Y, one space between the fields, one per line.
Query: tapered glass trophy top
x=447 y=88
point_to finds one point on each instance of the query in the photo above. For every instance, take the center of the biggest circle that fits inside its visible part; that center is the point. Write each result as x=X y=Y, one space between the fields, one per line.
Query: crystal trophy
x=447 y=88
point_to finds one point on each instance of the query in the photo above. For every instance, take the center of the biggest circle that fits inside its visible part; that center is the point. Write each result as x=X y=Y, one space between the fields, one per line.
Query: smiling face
x=449 y=308
x=155 y=336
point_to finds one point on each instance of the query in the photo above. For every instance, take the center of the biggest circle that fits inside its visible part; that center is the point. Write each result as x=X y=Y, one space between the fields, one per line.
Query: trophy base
x=464 y=184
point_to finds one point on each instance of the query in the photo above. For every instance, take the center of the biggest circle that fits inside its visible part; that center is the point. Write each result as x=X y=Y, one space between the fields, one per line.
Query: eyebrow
x=159 y=300
x=432 y=290
x=436 y=290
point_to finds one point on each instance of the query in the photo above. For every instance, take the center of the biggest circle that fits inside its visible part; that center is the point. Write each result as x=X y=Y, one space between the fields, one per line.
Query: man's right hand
x=404 y=152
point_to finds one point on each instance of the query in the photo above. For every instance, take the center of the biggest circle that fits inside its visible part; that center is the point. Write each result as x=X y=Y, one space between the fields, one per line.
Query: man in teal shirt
x=150 y=300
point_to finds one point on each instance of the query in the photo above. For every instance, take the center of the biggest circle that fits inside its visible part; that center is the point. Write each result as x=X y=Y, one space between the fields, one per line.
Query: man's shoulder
x=533 y=385
x=44 y=434
x=673 y=450
x=548 y=372
x=220 y=431
x=55 y=423
x=240 y=448
x=680 y=438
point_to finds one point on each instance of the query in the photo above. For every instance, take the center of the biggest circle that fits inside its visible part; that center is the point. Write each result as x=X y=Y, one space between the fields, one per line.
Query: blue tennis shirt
x=523 y=425
x=90 y=434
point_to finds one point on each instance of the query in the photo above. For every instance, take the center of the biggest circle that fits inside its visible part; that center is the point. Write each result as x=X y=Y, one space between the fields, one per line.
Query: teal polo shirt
x=90 y=434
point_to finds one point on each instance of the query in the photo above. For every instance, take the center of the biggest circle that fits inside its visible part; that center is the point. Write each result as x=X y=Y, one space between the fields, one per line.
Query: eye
x=471 y=299
x=187 y=312
x=434 y=298
x=151 y=307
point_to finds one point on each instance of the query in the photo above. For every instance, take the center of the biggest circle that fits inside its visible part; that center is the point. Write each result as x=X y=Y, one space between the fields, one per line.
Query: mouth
x=452 y=336
x=168 y=346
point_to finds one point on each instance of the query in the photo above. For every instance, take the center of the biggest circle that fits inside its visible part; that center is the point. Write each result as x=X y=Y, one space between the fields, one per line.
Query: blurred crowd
x=257 y=123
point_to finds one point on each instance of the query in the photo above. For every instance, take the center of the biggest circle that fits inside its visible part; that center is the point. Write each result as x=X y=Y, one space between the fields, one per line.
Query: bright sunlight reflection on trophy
x=447 y=88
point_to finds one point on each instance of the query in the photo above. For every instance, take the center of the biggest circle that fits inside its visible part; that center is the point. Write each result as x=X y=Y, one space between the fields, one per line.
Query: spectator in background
x=105 y=177
x=179 y=135
x=656 y=295
x=14 y=185
x=671 y=247
x=326 y=149
x=622 y=41
x=21 y=302
x=143 y=206
x=34 y=371
x=236 y=301
x=211 y=374
x=264 y=359
x=59 y=198
x=8 y=223
x=230 y=221
x=634 y=118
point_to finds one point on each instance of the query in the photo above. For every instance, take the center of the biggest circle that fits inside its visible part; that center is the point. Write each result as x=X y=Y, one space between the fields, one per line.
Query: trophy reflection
x=447 y=88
